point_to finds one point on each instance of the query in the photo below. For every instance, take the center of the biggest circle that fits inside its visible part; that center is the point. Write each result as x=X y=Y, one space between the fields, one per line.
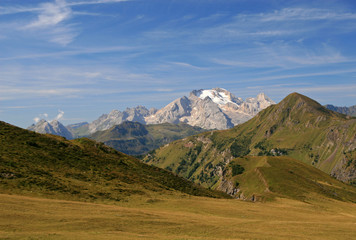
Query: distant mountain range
x=135 y=138
x=297 y=127
x=208 y=109
x=351 y=111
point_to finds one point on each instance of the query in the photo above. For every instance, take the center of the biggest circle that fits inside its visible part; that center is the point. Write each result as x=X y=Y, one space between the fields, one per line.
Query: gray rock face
x=116 y=117
x=209 y=109
x=207 y=114
x=53 y=127
x=172 y=112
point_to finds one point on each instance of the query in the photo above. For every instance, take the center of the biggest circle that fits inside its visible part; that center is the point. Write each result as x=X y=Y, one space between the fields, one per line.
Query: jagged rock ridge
x=209 y=109
x=351 y=111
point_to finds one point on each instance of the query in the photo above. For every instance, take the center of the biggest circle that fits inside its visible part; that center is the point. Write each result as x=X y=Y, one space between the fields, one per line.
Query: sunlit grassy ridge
x=263 y=178
x=297 y=127
x=48 y=165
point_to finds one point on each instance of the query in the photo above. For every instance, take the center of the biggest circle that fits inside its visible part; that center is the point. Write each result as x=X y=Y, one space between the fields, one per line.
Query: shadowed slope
x=81 y=169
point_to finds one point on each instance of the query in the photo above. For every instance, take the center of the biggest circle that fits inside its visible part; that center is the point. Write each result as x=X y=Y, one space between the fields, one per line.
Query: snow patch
x=217 y=97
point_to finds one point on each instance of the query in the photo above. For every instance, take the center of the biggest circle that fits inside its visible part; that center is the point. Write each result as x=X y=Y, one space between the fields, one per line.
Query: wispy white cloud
x=63 y=82
x=42 y=7
x=52 y=23
x=287 y=22
x=299 y=75
x=21 y=92
x=213 y=17
x=73 y=3
x=51 y=14
x=36 y=119
x=74 y=52
x=18 y=9
x=53 y=19
x=44 y=116
x=59 y=115
x=40 y=116
x=188 y=65
x=286 y=38
x=305 y=14
x=284 y=55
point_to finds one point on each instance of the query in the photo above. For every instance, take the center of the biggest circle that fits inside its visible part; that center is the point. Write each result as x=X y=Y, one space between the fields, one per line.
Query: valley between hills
x=287 y=173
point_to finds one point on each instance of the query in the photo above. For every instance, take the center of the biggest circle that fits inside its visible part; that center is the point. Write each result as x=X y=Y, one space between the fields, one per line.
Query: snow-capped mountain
x=52 y=127
x=210 y=109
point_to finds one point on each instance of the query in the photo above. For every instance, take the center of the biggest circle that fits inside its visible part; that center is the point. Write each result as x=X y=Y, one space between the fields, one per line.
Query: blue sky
x=78 y=59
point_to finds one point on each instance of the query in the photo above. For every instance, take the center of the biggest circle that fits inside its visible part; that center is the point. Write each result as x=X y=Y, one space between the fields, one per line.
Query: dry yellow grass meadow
x=175 y=217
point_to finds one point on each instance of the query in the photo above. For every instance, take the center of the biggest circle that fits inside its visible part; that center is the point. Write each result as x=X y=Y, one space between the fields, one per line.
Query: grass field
x=175 y=217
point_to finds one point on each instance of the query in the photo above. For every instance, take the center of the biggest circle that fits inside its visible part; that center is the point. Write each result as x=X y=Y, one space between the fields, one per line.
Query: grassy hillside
x=263 y=178
x=135 y=138
x=175 y=218
x=297 y=127
x=32 y=163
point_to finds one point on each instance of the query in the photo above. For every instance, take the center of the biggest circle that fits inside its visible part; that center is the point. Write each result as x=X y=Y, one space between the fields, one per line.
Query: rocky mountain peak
x=263 y=97
x=52 y=127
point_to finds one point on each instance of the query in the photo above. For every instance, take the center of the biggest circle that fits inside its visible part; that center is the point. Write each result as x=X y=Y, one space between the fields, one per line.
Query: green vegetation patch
x=236 y=169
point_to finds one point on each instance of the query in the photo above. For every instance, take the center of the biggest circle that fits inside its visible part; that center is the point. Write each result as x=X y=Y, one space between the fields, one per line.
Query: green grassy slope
x=298 y=127
x=32 y=163
x=135 y=138
x=268 y=177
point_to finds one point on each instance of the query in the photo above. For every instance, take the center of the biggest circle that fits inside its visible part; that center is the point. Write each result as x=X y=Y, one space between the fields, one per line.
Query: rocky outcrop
x=172 y=112
x=116 y=117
